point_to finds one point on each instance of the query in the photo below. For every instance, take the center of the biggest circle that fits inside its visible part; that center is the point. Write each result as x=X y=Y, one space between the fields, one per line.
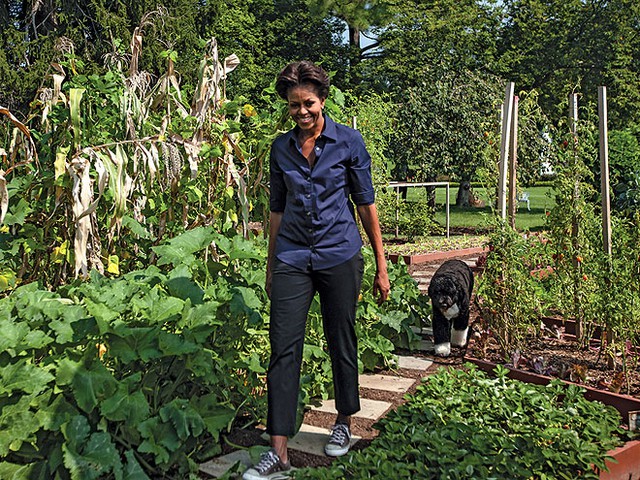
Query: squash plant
x=140 y=376
x=463 y=424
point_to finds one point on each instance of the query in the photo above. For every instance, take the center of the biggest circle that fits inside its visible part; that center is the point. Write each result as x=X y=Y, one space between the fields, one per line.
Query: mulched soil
x=564 y=358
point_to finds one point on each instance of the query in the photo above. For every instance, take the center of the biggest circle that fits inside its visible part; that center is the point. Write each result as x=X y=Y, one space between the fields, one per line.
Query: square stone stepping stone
x=220 y=465
x=414 y=363
x=311 y=439
x=422 y=331
x=386 y=382
x=425 y=346
x=370 y=409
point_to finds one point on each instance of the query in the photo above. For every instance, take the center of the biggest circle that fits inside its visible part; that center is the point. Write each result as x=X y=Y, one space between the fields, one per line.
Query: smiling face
x=305 y=107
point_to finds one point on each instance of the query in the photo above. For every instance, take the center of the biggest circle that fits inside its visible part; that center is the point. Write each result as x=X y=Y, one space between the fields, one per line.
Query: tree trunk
x=466 y=197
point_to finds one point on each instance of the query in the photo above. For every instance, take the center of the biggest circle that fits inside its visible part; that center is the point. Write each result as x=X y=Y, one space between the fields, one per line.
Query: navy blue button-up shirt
x=318 y=226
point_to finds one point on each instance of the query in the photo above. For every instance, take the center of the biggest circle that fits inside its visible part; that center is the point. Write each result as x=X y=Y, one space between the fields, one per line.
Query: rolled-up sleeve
x=360 y=183
x=278 y=189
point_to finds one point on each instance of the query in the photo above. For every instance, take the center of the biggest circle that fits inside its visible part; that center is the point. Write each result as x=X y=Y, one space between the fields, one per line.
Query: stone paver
x=425 y=346
x=220 y=465
x=422 y=331
x=311 y=439
x=386 y=382
x=414 y=363
x=371 y=409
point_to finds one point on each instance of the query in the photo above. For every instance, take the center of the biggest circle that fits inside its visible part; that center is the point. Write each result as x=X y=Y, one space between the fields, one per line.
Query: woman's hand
x=369 y=217
x=381 y=286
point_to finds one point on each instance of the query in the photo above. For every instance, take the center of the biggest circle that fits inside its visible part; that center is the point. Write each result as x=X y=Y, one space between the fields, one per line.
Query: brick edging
x=436 y=256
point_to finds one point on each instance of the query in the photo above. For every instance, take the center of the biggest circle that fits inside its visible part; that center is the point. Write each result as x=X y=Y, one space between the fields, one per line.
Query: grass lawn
x=539 y=201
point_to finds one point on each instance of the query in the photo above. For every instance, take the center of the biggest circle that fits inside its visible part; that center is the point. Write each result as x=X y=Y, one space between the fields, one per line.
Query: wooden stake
x=507 y=110
x=513 y=160
x=604 y=168
x=604 y=193
x=573 y=119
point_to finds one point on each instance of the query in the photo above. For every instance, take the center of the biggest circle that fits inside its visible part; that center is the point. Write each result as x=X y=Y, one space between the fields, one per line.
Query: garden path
x=380 y=392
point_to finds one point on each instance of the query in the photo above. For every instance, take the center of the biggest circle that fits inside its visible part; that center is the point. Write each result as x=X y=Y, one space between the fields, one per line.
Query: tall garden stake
x=507 y=110
x=604 y=193
x=573 y=119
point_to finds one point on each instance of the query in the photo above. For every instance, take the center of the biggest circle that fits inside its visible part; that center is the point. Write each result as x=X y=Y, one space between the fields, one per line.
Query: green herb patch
x=463 y=424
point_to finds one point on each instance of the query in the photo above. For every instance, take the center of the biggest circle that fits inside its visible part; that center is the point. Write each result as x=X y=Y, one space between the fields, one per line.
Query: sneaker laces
x=339 y=434
x=267 y=460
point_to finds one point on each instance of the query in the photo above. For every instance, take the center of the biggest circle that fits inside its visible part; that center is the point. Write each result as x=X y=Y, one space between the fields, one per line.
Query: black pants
x=292 y=291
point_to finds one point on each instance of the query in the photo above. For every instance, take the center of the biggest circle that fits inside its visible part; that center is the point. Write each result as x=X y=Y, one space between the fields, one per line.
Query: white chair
x=524 y=197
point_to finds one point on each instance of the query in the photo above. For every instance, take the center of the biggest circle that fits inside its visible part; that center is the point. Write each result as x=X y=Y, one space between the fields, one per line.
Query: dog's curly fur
x=450 y=290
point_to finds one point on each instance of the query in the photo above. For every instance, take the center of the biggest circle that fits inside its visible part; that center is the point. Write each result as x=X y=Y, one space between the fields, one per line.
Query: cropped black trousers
x=292 y=291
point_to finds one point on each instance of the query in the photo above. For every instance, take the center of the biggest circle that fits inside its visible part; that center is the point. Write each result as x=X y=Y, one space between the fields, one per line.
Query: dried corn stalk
x=81 y=195
x=17 y=144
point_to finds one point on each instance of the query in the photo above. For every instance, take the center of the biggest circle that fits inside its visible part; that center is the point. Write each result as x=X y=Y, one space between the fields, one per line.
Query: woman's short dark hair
x=303 y=73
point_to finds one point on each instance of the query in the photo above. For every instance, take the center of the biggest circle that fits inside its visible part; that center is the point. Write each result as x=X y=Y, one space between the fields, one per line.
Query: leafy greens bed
x=139 y=376
x=462 y=424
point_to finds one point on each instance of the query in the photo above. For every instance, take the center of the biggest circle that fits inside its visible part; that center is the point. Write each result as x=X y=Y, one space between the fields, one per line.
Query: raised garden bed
x=627 y=458
x=411 y=259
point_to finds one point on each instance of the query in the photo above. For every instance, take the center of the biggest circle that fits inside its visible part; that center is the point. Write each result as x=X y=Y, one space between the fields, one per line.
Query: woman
x=317 y=169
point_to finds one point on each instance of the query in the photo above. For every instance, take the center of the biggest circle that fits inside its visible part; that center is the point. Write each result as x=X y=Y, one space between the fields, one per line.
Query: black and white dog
x=450 y=290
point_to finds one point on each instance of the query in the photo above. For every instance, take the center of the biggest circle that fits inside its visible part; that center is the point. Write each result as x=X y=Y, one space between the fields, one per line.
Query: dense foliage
x=464 y=424
x=549 y=48
x=140 y=376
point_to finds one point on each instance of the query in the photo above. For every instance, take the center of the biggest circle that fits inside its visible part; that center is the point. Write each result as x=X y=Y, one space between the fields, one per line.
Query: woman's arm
x=369 y=217
x=275 y=219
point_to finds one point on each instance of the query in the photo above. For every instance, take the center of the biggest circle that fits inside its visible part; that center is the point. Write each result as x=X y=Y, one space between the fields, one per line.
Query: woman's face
x=305 y=107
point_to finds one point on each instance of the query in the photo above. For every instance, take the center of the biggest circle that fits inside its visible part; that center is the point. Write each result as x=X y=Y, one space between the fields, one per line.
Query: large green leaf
x=128 y=403
x=90 y=386
x=13 y=335
x=182 y=286
x=171 y=344
x=132 y=469
x=18 y=424
x=238 y=248
x=130 y=344
x=24 y=376
x=180 y=250
x=160 y=439
x=216 y=417
x=184 y=418
x=89 y=456
x=31 y=471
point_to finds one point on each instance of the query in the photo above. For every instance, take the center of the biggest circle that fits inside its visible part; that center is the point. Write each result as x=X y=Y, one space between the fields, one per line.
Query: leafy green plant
x=140 y=376
x=134 y=377
x=507 y=291
x=461 y=423
x=412 y=219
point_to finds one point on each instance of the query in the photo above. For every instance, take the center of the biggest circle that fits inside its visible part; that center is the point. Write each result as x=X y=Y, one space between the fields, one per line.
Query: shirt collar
x=329 y=130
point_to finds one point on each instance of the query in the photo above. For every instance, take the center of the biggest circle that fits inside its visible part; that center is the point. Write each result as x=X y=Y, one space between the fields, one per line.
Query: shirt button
x=308 y=195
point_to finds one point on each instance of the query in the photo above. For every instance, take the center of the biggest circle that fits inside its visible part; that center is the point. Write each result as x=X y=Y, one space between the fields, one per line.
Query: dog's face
x=444 y=294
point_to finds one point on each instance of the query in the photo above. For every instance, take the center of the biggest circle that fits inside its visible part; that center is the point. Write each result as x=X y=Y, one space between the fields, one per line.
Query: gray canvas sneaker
x=339 y=440
x=269 y=467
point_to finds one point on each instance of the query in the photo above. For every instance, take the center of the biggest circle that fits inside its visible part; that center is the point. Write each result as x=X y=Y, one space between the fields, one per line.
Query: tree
x=424 y=40
x=443 y=126
x=359 y=16
x=571 y=46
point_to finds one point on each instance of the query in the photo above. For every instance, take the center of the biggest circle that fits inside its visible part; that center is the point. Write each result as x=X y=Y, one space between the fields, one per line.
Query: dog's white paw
x=443 y=349
x=459 y=337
